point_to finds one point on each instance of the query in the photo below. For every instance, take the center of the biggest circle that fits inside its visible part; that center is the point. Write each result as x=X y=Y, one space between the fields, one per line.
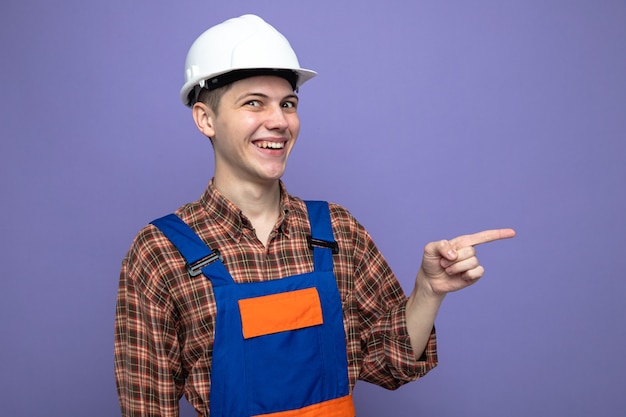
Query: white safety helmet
x=238 y=48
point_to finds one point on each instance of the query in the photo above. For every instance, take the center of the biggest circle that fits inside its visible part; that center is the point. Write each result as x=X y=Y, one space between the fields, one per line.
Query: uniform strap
x=321 y=240
x=199 y=257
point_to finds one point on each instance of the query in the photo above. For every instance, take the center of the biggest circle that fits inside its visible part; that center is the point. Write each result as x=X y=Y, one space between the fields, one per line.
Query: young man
x=250 y=301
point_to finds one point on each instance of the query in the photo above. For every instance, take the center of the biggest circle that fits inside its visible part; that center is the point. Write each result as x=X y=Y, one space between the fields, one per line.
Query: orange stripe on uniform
x=339 y=407
x=280 y=312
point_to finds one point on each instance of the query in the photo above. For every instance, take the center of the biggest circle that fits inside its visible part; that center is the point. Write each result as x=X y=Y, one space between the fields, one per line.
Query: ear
x=204 y=118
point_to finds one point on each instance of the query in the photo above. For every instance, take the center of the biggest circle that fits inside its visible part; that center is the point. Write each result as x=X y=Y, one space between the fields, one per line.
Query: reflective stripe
x=339 y=407
x=280 y=312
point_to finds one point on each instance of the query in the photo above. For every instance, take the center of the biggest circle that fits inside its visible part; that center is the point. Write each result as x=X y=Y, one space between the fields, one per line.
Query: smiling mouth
x=264 y=144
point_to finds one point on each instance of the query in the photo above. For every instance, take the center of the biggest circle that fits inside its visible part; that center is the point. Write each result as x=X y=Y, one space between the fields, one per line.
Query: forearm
x=421 y=310
x=388 y=358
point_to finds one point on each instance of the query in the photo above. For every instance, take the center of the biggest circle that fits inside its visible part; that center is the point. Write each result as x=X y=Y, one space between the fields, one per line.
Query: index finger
x=485 y=236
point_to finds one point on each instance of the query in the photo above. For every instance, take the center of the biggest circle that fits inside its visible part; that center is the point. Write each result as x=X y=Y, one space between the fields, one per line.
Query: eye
x=291 y=104
x=253 y=103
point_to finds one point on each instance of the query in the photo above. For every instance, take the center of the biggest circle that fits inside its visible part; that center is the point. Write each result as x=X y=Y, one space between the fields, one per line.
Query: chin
x=275 y=174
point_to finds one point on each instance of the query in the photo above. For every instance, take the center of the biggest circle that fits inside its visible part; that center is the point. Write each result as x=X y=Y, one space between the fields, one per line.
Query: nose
x=276 y=118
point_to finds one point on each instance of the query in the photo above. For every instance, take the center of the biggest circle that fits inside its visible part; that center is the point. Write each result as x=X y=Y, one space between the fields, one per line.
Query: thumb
x=440 y=249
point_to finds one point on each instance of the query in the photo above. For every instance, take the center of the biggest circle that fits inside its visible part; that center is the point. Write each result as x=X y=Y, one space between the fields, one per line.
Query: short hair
x=212 y=98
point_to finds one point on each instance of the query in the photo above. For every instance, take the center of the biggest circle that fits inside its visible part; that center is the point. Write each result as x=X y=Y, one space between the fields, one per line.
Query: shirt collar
x=232 y=219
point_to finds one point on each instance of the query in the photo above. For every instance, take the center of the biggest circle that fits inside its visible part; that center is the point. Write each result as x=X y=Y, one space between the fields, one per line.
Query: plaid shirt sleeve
x=147 y=365
x=375 y=309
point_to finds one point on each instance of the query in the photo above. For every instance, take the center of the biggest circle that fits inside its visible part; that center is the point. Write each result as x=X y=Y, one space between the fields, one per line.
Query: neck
x=259 y=202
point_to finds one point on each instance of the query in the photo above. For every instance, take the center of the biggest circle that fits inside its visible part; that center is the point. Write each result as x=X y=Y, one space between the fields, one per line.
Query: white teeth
x=271 y=145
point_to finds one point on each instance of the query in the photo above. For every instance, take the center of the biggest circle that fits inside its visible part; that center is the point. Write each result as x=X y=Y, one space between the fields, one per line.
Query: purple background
x=429 y=119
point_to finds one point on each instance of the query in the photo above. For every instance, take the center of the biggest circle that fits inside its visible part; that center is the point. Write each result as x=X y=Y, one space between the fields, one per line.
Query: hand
x=452 y=265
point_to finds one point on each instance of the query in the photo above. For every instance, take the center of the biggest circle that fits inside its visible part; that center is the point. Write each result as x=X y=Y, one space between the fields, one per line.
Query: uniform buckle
x=322 y=243
x=195 y=268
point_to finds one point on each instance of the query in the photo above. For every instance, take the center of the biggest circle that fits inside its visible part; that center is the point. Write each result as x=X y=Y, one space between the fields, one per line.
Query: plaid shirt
x=165 y=318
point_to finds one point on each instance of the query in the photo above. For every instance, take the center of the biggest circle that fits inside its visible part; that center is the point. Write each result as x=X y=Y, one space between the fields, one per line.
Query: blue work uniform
x=279 y=347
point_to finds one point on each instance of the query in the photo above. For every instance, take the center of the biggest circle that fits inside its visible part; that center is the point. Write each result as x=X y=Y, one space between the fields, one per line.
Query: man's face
x=255 y=129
